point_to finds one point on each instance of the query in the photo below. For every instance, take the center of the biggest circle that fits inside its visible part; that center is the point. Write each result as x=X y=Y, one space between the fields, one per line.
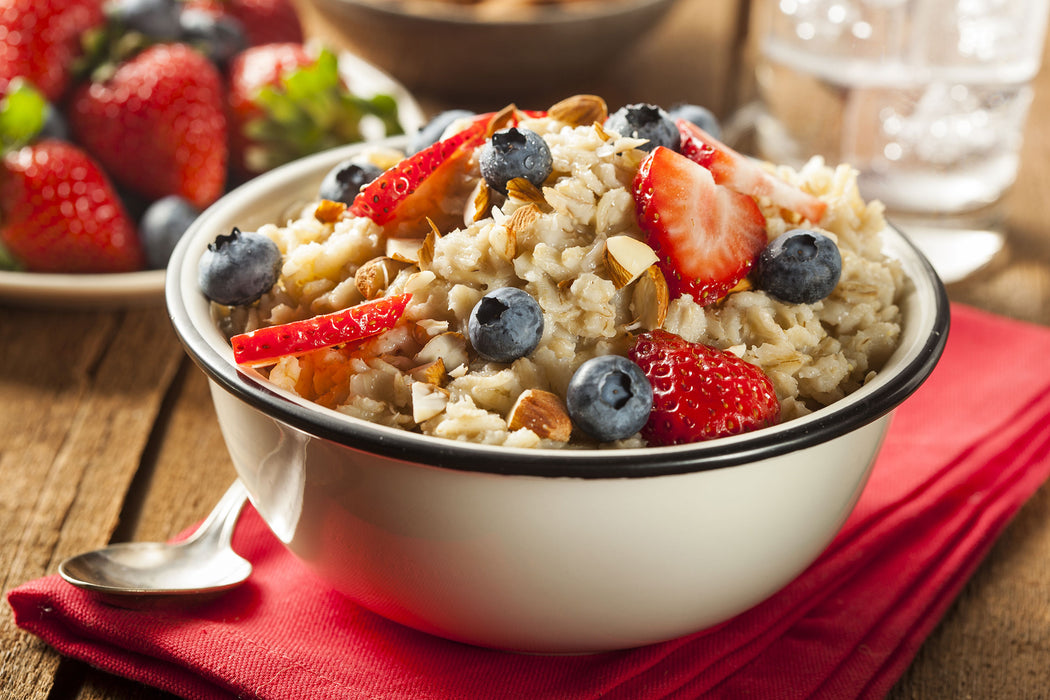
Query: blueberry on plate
x=238 y=268
x=645 y=121
x=431 y=132
x=801 y=266
x=506 y=324
x=162 y=225
x=701 y=116
x=55 y=126
x=609 y=398
x=345 y=180
x=219 y=37
x=515 y=152
x=157 y=19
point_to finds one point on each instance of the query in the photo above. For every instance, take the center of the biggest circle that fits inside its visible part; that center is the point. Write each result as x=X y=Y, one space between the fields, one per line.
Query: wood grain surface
x=107 y=432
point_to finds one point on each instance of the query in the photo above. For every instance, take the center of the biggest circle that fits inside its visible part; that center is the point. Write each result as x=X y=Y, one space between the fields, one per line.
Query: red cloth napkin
x=961 y=457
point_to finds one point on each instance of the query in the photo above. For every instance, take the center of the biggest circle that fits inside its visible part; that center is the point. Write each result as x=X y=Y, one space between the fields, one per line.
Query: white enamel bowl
x=541 y=550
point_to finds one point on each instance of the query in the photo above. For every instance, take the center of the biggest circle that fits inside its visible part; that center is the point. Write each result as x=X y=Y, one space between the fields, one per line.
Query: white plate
x=146 y=288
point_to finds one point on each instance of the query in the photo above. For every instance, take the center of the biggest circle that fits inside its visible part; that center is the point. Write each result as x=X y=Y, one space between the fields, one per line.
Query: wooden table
x=107 y=432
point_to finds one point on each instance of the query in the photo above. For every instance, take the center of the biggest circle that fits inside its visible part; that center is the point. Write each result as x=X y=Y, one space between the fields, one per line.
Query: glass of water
x=927 y=99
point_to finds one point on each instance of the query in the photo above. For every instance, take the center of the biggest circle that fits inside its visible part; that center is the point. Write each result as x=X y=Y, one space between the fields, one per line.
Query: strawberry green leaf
x=22 y=113
x=104 y=48
x=7 y=261
x=312 y=110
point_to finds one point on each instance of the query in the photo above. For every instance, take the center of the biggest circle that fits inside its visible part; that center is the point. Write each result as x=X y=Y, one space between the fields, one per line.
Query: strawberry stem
x=7 y=261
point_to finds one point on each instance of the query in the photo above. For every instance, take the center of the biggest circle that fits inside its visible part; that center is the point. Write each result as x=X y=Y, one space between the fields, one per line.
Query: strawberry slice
x=265 y=346
x=706 y=236
x=742 y=174
x=416 y=186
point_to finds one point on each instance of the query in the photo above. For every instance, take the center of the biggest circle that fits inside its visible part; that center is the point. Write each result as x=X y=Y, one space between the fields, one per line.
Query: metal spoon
x=203 y=563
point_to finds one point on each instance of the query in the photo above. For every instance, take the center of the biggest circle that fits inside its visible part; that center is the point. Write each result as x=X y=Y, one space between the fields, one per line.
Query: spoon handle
x=220 y=523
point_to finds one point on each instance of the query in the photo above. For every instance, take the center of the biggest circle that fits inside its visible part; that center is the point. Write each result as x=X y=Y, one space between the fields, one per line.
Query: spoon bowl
x=203 y=563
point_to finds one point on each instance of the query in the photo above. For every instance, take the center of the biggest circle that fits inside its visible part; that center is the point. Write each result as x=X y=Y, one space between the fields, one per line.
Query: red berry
x=264 y=21
x=249 y=72
x=286 y=101
x=158 y=125
x=706 y=236
x=39 y=39
x=270 y=343
x=59 y=213
x=744 y=175
x=700 y=392
x=416 y=187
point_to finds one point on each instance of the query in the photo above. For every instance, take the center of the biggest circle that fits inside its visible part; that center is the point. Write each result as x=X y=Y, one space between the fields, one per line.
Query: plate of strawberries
x=122 y=120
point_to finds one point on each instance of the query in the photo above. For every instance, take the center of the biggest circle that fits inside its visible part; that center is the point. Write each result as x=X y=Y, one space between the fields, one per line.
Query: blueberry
x=609 y=398
x=239 y=268
x=157 y=19
x=431 y=132
x=55 y=125
x=701 y=116
x=345 y=180
x=506 y=324
x=219 y=37
x=515 y=152
x=162 y=225
x=799 y=267
x=645 y=121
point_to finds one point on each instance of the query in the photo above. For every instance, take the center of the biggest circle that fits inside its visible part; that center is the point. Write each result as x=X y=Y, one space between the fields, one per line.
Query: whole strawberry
x=60 y=213
x=286 y=101
x=264 y=21
x=40 y=39
x=700 y=392
x=157 y=124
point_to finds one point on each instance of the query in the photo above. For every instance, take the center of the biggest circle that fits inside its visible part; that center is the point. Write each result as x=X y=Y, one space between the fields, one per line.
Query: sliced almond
x=428 y=401
x=418 y=282
x=427 y=328
x=602 y=133
x=524 y=217
x=478 y=204
x=506 y=243
x=404 y=249
x=431 y=372
x=508 y=116
x=425 y=255
x=743 y=285
x=328 y=212
x=433 y=229
x=373 y=277
x=651 y=299
x=580 y=110
x=449 y=347
x=627 y=258
x=524 y=191
x=543 y=413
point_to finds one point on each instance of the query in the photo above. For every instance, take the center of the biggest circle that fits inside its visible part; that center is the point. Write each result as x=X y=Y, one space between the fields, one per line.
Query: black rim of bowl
x=822 y=425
